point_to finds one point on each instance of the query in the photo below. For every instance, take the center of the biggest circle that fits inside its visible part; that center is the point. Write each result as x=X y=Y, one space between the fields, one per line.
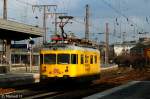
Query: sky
x=125 y=17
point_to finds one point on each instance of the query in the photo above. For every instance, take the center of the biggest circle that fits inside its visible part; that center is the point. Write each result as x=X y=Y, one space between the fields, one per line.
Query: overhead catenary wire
x=83 y=23
x=90 y=26
x=23 y=2
x=129 y=20
x=23 y=14
x=120 y=13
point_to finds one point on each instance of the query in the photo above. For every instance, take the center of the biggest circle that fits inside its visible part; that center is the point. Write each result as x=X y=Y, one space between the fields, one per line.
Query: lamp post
x=31 y=42
x=100 y=48
x=31 y=59
x=107 y=45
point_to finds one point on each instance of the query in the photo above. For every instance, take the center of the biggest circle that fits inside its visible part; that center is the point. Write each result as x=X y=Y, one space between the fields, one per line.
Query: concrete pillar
x=39 y=67
x=8 y=54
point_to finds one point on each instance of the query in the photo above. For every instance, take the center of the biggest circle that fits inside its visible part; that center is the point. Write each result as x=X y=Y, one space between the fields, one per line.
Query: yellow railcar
x=70 y=61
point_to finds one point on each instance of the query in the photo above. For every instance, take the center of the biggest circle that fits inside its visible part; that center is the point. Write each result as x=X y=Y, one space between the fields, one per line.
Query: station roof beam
x=17 y=31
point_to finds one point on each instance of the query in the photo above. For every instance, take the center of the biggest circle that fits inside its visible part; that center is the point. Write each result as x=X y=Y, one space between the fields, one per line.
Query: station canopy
x=11 y=30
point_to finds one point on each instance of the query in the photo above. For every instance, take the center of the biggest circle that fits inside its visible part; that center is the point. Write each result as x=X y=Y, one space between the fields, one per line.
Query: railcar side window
x=41 y=58
x=63 y=58
x=91 y=59
x=95 y=59
x=82 y=59
x=49 y=58
x=74 y=59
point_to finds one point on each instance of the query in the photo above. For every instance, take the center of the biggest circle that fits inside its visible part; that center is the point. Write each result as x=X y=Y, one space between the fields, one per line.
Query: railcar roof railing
x=72 y=41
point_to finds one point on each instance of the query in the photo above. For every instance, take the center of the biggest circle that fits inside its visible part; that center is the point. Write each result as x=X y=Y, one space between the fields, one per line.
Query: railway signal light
x=31 y=42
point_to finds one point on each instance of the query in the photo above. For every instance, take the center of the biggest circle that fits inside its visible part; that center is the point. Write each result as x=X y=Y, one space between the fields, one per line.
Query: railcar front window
x=50 y=59
x=63 y=58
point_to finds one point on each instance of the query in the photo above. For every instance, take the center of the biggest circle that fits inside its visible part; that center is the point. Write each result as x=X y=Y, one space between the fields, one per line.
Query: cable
x=117 y=11
x=90 y=26
x=69 y=4
x=23 y=2
x=84 y=24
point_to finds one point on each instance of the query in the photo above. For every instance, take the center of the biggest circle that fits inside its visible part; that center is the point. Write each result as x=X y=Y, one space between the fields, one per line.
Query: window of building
x=74 y=59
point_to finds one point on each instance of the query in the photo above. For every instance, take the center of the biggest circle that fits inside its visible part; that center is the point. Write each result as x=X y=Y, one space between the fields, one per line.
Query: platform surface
x=18 y=78
x=132 y=90
x=13 y=79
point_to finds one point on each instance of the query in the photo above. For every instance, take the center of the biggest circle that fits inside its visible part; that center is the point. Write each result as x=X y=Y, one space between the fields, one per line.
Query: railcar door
x=87 y=64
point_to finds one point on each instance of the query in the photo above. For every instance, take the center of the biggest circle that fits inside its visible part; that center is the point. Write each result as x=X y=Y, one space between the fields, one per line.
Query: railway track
x=109 y=80
x=43 y=95
x=62 y=93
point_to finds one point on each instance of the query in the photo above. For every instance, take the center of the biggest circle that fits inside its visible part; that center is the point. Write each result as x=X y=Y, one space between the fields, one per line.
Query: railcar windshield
x=63 y=59
x=49 y=58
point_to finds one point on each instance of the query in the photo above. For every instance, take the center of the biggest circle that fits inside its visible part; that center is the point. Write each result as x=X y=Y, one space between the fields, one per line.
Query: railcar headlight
x=44 y=69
